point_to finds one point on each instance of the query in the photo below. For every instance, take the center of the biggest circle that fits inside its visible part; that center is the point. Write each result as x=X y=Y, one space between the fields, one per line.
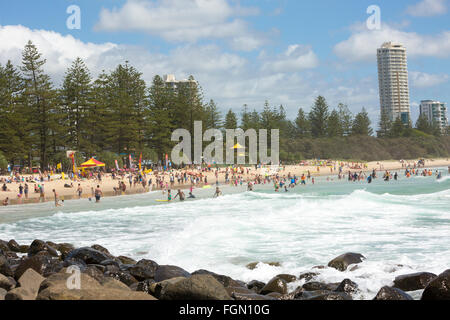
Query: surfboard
x=162 y=200
x=207 y=187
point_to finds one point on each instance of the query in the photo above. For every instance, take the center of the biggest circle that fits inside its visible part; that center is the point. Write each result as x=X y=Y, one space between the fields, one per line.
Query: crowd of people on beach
x=196 y=177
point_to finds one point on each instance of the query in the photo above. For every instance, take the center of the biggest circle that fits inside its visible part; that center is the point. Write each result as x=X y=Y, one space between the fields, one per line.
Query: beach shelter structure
x=92 y=163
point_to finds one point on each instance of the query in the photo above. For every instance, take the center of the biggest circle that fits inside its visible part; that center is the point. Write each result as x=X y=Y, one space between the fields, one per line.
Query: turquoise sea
x=399 y=226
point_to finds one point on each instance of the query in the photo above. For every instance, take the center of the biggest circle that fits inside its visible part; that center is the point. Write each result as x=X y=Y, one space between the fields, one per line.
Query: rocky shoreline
x=48 y=271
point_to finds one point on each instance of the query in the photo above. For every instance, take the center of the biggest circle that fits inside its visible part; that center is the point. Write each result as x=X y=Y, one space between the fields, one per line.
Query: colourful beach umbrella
x=92 y=163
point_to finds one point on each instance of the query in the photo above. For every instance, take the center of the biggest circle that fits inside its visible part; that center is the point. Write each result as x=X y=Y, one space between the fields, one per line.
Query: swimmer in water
x=191 y=196
x=180 y=194
x=218 y=193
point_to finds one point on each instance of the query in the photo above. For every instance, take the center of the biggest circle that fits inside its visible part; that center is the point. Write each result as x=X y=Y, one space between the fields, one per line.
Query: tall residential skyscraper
x=393 y=81
x=436 y=113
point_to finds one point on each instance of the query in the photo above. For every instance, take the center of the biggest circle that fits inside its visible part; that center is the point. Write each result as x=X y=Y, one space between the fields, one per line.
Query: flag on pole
x=59 y=166
x=140 y=162
x=131 y=161
x=117 y=165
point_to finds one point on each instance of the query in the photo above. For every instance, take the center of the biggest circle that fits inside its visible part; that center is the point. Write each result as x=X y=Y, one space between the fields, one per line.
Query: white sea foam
x=399 y=231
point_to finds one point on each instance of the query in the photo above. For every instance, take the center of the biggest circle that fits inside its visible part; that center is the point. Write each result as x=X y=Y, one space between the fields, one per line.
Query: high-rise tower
x=393 y=81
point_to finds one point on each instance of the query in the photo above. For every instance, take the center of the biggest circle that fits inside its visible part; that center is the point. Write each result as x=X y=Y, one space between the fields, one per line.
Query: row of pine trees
x=116 y=114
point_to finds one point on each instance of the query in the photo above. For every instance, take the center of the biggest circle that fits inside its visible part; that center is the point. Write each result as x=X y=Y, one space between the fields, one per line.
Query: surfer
x=57 y=204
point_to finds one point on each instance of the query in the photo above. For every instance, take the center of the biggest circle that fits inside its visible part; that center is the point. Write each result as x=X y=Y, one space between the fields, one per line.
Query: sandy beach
x=108 y=184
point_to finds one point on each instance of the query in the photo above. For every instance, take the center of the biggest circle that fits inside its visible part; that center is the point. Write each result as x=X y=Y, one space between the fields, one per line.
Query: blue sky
x=247 y=51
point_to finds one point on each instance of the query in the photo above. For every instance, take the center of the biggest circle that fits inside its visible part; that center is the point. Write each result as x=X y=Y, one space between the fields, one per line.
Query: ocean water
x=399 y=226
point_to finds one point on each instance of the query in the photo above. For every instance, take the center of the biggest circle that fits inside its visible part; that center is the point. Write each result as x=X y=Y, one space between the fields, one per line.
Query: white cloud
x=428 y=8
x=59 y=50
x=363 y=43
x=184 y=21
x=296 y=58
x=228 y=78
x=425 y=80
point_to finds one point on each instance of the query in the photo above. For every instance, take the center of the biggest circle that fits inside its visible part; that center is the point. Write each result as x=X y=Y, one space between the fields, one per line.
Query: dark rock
x=275 y=295
x=315 y=286
x=65 y=248
x=224 y=280
x=319 y=267
x=232 y=290
x=308 y=276
x=414 y=281
x=275 y=285
x=75 y=262
x=166 y=272
x=251 y=297
x=93 y=272
x=52 y=244
x=88 y=255
x=144 y=270
x=24 y=248
x=111 y=270
x=13 y=245
x=7 y=283
x=126 y=260
x=109 y=262
x=256 y=285
x=101 y=249
x=4 y=246
x=38 y=246
x=99 y=267
x=42 y=264
x=144 y=286
x=438 y=288
x=390 y=293
x=342 y=262
x=253 y=265
x=287 y=277
x=197 y=287
x=5 y=267
x=329 y=296
x=347 y=286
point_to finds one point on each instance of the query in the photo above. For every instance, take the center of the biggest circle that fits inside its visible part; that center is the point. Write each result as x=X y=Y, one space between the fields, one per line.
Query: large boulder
x=316 y=286
x=342 y=262
x=144 y=270
x=29 y=282
x=390 y=293
x=166 y=272
x=88 y=255
x=439 y=288
x=251 y=297
x=64 y=249
x=232 y=290
x=101 y=249
x=347 y=286
x=13 y=245
x=4 y=246
x=126 y=260
x=39 y=246
x=3 y=293
x=256 y=285
x=329 y=296
x=42 y=264
x=287 y=277
x=7 y=283
x=55 y=288
x=224 y=280
x=308 y=276
x=197 y=287
x=414 y=281
x=276 y=284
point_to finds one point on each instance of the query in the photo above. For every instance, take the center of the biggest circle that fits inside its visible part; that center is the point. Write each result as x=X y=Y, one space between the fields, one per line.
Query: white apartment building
x=173 y=83
x=435 y=111
x=393 y=81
